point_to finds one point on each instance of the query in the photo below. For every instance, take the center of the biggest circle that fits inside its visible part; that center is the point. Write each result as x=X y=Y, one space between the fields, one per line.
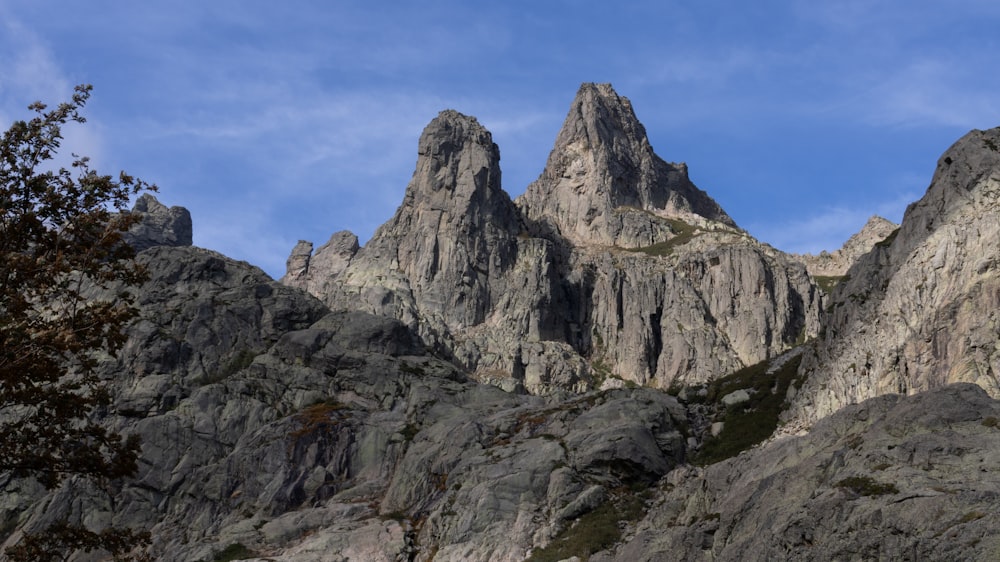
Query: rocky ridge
x=835 y=264
x=893 y=478
x=159 y=225
x=604 y=185
x=275 y=429
x=612 y=268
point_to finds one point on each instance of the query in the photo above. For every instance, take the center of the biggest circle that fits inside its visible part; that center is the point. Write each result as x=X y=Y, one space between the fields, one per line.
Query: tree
x=61 y=248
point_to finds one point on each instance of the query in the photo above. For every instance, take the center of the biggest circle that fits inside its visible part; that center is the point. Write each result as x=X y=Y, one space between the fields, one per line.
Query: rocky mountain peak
x=603 y=184
x=457 y=179
x=434 y=265
x=836 y=263
x=605 y=122
x=541 y=294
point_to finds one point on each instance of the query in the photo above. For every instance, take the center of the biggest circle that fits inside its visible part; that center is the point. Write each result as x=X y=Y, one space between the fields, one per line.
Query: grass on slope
x=596 y=530
x=683 y=231
x=750 y=422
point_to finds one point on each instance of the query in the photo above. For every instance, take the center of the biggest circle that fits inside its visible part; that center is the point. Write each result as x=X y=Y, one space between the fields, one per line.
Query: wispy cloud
x=935 y=92
x=829 y=227
x=31 y=73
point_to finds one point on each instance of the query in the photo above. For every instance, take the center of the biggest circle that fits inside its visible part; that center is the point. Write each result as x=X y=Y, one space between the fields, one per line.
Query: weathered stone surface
x=270 y=421
x=159 y=225
x=827 y=495
x=316 y=272
x=717 y=303
x=439 y=264
x=920 y=310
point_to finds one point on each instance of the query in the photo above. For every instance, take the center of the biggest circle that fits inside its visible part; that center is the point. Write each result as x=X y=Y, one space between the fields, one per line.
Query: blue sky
x=279 y=121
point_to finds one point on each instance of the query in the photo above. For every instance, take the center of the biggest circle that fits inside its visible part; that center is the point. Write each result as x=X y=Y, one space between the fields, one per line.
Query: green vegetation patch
x=683 y=233
x=595 y=531
x=867 y=486
x=971 y=516
x=323 y=416
x=235 y=551
x=240 y=361
x=750 y=422
x=827 y=283
x=601 y=371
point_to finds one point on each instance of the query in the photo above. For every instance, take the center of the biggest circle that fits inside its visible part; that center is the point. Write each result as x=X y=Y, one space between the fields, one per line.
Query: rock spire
x=603 y=184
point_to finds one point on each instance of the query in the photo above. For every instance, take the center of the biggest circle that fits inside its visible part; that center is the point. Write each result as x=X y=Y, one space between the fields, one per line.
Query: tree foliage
x=63 y=266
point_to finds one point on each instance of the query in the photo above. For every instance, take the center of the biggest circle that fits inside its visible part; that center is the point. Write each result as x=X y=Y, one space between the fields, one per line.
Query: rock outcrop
x=159 y=225
x=894 y=478
x=612 y=268
x=835 y=264
x=920 y=310
x=315 y=272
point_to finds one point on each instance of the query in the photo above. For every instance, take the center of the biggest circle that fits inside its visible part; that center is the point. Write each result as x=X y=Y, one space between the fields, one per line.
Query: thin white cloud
x=31 y=73
x=29 y=66
x=828 y=228
x=935 y=92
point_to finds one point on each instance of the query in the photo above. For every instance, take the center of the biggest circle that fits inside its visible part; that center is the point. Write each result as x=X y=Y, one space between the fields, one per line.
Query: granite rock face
x=920 y=310
x=315 y=272
x=612 y=268
x=354 y=425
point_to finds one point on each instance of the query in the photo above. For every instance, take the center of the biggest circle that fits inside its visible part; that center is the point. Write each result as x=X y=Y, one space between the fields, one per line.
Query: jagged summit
x=457 y=173
x=603 y=184
x=453 y=213
x=440 y=257
x=836 y=263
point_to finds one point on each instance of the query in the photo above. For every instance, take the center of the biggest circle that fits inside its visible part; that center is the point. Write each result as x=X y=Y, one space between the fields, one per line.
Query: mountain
x=893 y=478
x=484 y=379
x=269 y=422
x=611 y=269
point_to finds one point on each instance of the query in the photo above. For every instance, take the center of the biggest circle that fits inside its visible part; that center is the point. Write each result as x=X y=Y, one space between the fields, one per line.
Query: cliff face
x=611 y=268
x=276 y=428
x=893 y=478
x=919 y=310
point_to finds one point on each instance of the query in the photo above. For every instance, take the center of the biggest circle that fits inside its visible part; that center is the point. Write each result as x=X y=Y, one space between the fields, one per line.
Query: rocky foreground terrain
x=606 y=368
